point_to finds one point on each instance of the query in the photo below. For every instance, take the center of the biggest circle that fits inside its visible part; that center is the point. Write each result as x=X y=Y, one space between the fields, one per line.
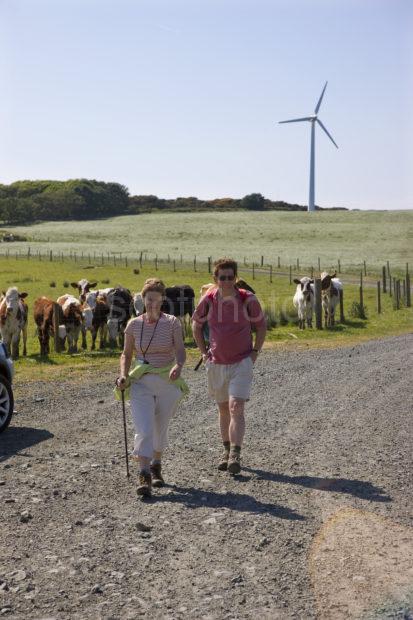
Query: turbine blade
x=320 y=100
x=322 y=126
x=296 y=120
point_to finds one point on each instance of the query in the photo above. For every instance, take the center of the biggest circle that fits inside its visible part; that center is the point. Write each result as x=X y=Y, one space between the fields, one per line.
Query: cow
x=119 y=302
x=72 y=319
x=179 y=301
x=13 y=320
x=138 y=305
x=303 y=300
x=91 y=296
x=83 y=286
x=43 y=317
x=330 y=296
x=99 y=321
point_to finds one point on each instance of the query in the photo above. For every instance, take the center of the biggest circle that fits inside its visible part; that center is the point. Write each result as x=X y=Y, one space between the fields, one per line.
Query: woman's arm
x=125 y=360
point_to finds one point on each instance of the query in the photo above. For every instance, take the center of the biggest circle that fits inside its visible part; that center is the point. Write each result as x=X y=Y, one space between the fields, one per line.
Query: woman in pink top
x=232 y=315
x=156 y=338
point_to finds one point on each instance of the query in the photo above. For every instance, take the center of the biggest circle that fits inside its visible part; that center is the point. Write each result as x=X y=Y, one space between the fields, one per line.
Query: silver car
x=6 y=390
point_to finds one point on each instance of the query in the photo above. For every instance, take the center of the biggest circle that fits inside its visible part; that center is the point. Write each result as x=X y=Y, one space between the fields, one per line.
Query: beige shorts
x=225 y=380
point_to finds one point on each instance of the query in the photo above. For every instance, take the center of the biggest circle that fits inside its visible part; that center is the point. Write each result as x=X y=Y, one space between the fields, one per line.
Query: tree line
x=25 y=202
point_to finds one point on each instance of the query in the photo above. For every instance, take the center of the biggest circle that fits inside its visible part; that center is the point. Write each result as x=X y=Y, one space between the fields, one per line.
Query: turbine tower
x=313 y=120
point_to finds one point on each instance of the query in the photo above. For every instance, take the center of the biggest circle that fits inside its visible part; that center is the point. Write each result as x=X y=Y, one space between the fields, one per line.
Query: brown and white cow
x=43 y=317
x=83 y=286
x=72 y=319
x=330 y=296
x=13 y=320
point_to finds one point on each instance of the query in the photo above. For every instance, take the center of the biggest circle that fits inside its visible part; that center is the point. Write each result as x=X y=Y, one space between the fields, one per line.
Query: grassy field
x=352 y=237
x=36 y=277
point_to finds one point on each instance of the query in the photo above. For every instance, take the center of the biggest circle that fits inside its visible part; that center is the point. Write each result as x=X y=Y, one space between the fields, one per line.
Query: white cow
x=303 y=300
x=330 y=296
x=13 y=320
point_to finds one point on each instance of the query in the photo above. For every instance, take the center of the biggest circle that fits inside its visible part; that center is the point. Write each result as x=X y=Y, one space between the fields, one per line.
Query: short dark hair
x=155 y=285
x=225 y=263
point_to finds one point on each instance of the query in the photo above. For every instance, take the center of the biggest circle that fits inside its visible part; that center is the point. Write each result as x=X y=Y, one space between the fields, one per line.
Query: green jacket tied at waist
x=141 y=369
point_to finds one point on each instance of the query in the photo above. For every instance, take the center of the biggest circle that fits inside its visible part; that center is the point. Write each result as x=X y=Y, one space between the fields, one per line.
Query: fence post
x=378 y=298
x=408 y=291
x=298 y=264
x=390 y=286
x=388 y=269
x=361 y=292
x=271 y=273
x=56 y=311
x=156 y=263
x=28 y=254
x=209 y=264
x=174 y=265
x=404 y=291
x=195 y=263
x=253 y=271
x=365 y=267
x=51 y=256
x=279 y=263
x=262 y=261
x=317 y=304
x=312 y=272
x=342 y=319
x=397 y=293
x=126 y=261
x=181 y=259
x=339 y=266
x=384 y=279
x=291 y=280
x=319 y=264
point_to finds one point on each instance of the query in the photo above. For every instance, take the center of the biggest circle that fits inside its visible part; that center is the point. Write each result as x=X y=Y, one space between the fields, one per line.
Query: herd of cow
x=106 y=312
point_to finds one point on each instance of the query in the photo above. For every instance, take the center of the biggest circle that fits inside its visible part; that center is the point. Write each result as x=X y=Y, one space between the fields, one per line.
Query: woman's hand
x=205 y=357
x=175 y=372
x=121 y=383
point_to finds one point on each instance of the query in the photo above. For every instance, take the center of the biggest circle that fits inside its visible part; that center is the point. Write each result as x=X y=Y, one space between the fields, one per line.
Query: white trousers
x=153 y=403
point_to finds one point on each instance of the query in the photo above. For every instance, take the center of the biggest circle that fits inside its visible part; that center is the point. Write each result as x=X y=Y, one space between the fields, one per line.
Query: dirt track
x=319 y=524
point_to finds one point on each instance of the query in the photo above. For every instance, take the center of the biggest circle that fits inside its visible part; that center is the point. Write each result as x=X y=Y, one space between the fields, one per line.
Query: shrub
x=270 y=317
x=52 y=284
x=357 y=310
x=106 y=281
x=66 y=284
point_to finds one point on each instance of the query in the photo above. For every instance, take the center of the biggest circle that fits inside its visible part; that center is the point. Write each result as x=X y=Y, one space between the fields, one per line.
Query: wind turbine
x=313 y=120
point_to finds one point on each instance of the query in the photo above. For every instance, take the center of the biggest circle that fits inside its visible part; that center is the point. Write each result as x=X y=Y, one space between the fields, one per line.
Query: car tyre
x=6 y=403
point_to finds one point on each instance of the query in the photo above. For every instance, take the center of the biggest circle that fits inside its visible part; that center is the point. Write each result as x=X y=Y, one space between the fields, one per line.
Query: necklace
x=144 y=352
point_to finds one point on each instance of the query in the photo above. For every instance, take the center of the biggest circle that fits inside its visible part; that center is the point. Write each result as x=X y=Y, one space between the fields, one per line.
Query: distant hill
x=25 y=202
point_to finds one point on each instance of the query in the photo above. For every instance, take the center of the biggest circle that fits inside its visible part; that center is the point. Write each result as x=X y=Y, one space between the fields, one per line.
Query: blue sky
x=182 y=97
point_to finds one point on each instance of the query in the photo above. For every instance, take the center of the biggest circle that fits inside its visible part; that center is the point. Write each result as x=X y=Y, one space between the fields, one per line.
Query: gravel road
x=319 y=524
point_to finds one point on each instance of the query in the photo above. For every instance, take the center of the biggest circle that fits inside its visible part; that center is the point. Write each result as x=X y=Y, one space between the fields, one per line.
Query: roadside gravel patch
x=328 y=432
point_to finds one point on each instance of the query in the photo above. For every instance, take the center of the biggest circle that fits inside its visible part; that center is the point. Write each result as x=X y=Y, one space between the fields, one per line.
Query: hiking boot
x=144 y=484
x=223 y=464
x=157 y=480
x=234 y=462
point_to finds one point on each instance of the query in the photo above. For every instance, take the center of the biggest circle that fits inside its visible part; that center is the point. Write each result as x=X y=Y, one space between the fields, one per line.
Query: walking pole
x=124 y=432
x=198 y=365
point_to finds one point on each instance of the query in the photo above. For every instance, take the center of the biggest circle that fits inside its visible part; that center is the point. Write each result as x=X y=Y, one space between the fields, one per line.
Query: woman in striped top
x=156 y=338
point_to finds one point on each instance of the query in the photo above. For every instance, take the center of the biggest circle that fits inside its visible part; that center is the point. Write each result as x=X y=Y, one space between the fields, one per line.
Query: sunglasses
x=223 y=278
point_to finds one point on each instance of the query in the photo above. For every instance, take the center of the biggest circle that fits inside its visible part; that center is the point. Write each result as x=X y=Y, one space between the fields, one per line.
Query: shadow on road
x=198 y=498
x=358 y=488
x=18 y=438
